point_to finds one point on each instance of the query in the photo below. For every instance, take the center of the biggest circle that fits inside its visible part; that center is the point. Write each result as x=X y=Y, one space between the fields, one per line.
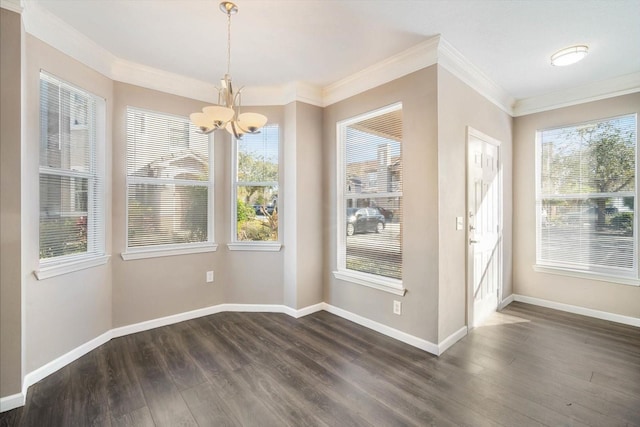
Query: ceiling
x=320 y=42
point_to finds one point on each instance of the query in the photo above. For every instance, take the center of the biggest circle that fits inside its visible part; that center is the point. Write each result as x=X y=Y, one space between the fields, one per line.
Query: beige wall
x=418 y=94
x=10 y=223
x=66 y=311
x=460 y=106
x=597 y=295
x=302 y=213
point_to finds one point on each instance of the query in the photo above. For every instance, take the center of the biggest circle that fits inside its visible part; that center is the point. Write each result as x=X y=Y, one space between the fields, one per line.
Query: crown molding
x=47 y=27
x=303 y=92
x=454 y=62
x=153 y=78
x=408 y=61
x=12 y=5
x=282 y=95
x=623 y=85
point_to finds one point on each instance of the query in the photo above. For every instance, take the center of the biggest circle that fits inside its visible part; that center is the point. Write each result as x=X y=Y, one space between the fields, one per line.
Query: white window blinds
x=370 y=217
x=256 y=185
x=586 y=197
x=71 y=181
x=169 y=181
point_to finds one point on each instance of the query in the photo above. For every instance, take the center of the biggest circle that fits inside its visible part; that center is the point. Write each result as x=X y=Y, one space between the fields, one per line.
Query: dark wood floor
x=527 y=366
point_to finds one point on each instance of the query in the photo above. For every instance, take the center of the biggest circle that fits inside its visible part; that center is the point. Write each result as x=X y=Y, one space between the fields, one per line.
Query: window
x=586 y=197
x=169 y=183
x=370 y=199
x=256 y=186
x=71 y=225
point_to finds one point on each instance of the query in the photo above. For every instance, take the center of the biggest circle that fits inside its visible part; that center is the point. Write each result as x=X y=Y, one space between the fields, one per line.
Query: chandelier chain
x=228 y=43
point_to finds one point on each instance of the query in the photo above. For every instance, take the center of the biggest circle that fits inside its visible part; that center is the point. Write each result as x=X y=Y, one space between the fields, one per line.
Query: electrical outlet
x=397 y=307
x=209 y=276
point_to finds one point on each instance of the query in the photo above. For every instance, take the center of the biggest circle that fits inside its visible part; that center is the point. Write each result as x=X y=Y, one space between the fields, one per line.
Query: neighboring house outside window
x=169 y=183
x=587 y=192
x=72 y=218
x=256 y=186
x=370 y=199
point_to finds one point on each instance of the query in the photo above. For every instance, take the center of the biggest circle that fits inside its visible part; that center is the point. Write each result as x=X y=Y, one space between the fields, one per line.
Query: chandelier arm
x=237 y=100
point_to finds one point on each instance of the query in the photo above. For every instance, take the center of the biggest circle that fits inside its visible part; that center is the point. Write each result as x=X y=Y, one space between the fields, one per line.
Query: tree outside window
x=586 y=196
x=256 y=185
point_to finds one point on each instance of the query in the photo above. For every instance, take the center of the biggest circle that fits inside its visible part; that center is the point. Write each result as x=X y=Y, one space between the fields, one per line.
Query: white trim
x=11 y=402
x=255 y=246
x=301 y=92
x=305 y=311
x=384 y=329
x=214 y=309
x=49 y=28
x=62 y=361
x=604 y=315
x=132 y=254
x=52 y=30
x=617 y=86
x=371 y=281
x=601 y=277
x=505 y=302
x=454 y=62
x=164 y=321
x=406 y=62
x=46 y=271
x=14 y=6
x=452 y=339
x=164 y=81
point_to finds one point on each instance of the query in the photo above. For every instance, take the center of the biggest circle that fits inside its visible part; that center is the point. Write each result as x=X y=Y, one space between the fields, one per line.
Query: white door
x=484 y=211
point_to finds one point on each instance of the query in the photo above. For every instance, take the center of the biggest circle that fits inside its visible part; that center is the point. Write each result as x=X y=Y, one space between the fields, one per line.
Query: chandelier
x=226 y=113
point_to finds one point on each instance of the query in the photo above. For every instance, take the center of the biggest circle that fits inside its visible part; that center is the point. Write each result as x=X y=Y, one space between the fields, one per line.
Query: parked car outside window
x=362 y=220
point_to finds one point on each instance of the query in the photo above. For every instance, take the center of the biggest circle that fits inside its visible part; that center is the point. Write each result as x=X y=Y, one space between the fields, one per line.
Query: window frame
x=598 y=273
x=95 y=254
x=161 y=250
x=253 y=245
x=382 y=283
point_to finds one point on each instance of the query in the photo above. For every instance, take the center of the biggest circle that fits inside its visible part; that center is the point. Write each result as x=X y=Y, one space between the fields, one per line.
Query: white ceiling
x=320 y=42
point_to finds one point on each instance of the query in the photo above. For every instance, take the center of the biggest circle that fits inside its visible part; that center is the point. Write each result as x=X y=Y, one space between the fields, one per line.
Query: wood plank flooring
x=528 y=366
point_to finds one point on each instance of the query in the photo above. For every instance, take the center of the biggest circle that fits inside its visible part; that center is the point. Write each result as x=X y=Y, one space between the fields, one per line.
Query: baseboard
x=384 y=329
x=306 y=310
x=11 y=402
x=452 y=339
x=604 y=315
x=164 y=321
x=505 y=302
x=219 y=308
x=62 y=361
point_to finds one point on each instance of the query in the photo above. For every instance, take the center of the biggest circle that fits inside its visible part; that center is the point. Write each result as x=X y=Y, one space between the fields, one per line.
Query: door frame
x=474 y=133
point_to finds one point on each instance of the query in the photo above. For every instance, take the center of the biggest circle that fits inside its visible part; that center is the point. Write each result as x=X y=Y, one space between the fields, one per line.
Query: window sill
x=586 y=275
x=255 y=246
x=47 y=271
x=376 y=282
x=133 y=254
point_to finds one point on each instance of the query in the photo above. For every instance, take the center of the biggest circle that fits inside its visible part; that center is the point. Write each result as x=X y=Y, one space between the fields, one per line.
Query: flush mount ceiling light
x=226 y=113
x=569 y=55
